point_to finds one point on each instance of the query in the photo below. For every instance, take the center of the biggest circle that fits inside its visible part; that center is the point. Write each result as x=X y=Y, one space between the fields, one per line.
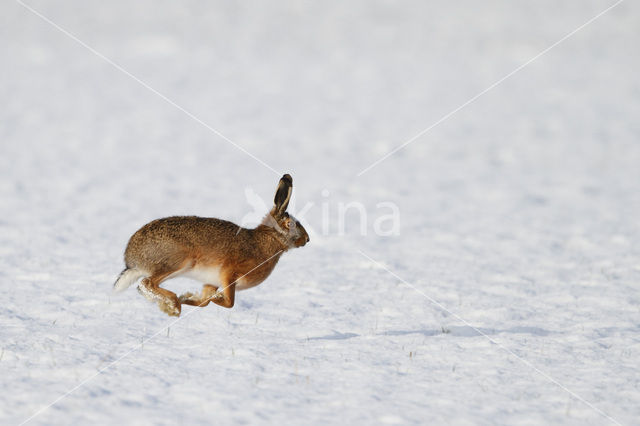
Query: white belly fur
x=208 y=275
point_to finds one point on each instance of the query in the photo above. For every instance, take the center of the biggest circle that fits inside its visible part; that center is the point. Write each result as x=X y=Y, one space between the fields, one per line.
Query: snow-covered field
x=510 y=296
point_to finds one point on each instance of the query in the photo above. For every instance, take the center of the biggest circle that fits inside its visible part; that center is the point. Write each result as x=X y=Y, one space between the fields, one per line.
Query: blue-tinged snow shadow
x=459 y=331
x=468 y=331
x=335 y=336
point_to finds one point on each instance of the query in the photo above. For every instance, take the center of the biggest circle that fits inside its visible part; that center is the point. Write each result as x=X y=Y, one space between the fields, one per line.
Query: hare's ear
x=283 y=194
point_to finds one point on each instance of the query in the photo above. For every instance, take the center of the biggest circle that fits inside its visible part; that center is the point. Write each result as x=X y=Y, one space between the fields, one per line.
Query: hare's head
x=288 y=226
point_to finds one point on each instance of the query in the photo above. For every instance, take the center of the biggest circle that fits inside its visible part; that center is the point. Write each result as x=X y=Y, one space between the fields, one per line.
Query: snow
x=515 y=298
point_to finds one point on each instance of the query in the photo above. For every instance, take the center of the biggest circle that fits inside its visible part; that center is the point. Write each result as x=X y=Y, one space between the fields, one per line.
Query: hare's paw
x=170 y=307
x=186 y=296
x=216 y=296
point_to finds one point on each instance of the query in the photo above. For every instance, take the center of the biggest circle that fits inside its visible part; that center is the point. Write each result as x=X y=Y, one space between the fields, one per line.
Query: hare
x=222 y=255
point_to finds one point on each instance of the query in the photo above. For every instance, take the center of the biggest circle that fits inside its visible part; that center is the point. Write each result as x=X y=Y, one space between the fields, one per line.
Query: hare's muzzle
x=304 y=237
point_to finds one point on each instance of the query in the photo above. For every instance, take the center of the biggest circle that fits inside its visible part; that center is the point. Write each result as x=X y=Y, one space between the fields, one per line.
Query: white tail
x=126 y=278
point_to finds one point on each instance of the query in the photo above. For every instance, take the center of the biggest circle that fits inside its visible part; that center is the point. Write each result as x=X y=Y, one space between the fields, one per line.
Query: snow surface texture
x=520 y=214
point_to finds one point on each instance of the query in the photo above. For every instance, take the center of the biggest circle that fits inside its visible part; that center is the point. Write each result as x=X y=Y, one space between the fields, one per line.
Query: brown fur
x=169 y=247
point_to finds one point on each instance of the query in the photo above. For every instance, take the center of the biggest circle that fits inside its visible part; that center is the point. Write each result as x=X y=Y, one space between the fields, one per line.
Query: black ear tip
x=287 y=177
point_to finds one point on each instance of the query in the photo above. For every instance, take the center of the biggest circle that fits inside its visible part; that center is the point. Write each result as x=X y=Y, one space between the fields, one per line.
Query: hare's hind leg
x=166 y=300
x=209 y=293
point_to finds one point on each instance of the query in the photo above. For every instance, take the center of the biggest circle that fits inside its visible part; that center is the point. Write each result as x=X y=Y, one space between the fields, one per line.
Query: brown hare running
x=222 y=255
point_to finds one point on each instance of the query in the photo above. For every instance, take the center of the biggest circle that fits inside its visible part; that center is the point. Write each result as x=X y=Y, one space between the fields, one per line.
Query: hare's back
x=173 y=240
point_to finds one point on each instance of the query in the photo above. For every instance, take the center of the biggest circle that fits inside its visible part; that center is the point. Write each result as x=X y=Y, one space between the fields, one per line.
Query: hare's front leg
x=209 y=292
x=228 y=294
